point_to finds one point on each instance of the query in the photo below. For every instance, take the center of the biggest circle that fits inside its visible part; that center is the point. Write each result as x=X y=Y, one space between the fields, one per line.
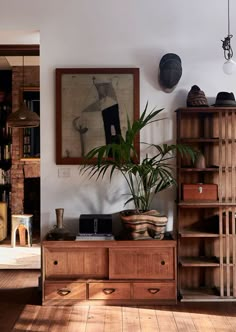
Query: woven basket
x=146 y=225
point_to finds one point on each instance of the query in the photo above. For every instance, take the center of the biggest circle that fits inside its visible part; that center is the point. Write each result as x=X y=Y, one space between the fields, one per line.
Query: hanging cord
x=228 y=52
x=229 y=20
x=23 y=72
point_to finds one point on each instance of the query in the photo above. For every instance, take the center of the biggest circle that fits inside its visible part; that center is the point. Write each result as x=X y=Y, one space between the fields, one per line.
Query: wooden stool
x=21 y=222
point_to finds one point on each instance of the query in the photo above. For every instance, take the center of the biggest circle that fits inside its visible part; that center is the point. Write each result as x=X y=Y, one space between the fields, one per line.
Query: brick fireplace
x=21 y=169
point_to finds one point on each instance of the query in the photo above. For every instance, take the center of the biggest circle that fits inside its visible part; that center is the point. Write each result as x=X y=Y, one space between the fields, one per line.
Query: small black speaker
x=91 y=224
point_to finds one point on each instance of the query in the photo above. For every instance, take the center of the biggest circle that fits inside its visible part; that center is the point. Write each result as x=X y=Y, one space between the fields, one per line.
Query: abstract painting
x=92 y=106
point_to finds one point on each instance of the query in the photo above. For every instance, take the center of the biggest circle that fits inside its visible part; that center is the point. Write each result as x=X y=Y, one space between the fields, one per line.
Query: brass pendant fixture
x=24 y=117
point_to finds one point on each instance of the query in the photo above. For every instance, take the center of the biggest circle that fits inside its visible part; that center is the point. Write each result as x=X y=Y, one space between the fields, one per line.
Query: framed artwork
x=92 y=105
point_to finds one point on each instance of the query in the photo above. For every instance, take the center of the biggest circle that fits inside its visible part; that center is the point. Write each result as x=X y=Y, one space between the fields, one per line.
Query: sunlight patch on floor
x=20 y=257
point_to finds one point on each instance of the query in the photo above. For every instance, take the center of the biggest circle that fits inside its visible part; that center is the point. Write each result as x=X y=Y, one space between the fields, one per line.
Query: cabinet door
x=142 y=263
x=88 y=262
x=81 y=262
x=55 y=263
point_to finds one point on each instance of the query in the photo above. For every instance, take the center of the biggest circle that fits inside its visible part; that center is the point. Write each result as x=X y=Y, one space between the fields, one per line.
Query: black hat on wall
x=170 y=71
x=225 y=99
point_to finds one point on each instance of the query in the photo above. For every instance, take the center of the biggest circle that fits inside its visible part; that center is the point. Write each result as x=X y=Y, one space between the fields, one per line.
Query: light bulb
x=229 y=67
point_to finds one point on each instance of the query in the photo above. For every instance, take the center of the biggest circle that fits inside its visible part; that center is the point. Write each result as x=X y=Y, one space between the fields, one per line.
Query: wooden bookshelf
x=207 y=229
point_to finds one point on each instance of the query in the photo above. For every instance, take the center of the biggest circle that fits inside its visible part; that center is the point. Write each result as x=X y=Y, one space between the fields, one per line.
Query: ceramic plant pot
x=145 y=225
x=200 y=161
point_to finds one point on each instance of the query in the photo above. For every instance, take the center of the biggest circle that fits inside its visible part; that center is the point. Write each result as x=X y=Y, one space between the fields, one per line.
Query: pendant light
x=229 y=66
x=24 y=117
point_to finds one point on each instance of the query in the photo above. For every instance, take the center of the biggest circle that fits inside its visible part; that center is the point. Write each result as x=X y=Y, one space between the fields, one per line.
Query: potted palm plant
x=144 y=179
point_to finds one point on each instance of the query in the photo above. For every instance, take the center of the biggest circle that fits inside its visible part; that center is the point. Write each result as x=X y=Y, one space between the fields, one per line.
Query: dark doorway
x=31 y=205
x=32 y=201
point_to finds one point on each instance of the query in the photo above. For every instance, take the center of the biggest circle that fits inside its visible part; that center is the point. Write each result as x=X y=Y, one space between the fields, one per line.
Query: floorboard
x=148 y=320
x=21 y=310
x=166 y=321
x=21 y=256
x=221 y=323
x=202 y=322
x=96 y=319
x=113 y=319
x=27 y=318
x=184 y=322
x=78 y=319
x=131 y=320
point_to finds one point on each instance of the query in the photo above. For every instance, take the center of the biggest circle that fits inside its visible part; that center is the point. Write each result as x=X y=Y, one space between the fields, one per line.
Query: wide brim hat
x=196 y=97
x=225 y=99
x=170 y=70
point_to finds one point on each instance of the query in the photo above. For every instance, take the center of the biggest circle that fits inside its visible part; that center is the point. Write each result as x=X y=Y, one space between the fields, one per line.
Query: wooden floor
x=20 y=311
x=21 y=256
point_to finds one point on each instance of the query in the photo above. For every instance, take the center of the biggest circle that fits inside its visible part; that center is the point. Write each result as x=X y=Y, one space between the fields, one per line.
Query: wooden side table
x=22 y=222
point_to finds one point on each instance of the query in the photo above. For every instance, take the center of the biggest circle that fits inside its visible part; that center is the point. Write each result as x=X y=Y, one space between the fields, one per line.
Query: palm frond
x=152 y=175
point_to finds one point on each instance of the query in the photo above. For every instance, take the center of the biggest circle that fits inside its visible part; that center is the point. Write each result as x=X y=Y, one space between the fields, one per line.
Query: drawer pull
x=108 y=291
x=200 y=190
x=63 y=291
x=55 y=262
x=163 y=262
x=153 y=290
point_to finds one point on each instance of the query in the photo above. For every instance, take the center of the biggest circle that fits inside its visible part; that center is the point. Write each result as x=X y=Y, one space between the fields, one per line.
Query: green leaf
x=152 y=175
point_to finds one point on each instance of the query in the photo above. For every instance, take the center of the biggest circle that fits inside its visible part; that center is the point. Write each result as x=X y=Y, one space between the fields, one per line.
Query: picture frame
x=92 y=105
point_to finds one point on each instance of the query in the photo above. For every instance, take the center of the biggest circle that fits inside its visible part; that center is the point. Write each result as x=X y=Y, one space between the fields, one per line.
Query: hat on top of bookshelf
x=196 y=97
x=170 y=71
x=225 y=99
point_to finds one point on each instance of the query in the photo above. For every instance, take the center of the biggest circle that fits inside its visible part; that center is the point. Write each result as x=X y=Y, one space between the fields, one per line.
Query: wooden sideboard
x=109 y=272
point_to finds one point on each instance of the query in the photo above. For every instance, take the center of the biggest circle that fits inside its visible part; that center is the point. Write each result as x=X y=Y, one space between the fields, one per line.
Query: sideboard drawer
x=156 y=290
x=64 y=291
x=109 y=291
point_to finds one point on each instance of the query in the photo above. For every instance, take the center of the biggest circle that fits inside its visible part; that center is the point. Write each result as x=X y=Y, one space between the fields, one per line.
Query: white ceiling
x=6 y=62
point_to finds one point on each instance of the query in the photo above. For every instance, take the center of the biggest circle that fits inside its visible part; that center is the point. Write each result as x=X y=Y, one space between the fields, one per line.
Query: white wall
x=109 y=33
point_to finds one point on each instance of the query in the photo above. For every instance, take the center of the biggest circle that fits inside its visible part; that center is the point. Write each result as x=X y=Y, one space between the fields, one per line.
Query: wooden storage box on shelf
x=199 y=192
x=109 y=272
